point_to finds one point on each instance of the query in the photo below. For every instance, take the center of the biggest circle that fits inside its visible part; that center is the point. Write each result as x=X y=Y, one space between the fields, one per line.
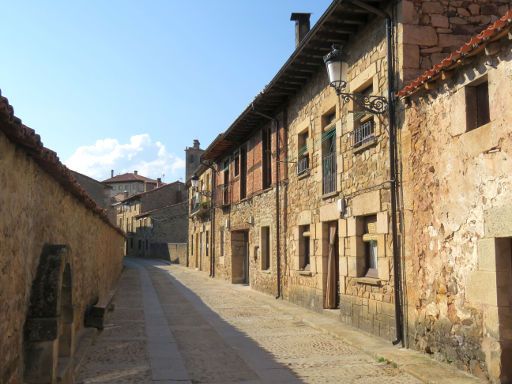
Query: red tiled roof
x=127 y=177
x=27 y=139
x=470 y=47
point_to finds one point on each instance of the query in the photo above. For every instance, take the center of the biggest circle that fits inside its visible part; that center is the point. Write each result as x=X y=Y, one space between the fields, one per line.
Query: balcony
x=199 y=208
x=364 y=134
x=329 y=173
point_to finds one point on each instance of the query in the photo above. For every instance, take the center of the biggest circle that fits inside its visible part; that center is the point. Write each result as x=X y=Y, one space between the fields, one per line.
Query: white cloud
x=150 y=158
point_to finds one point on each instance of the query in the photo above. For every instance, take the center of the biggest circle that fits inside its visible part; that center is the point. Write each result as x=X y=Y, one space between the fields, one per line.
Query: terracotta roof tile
x=126 y=177
x=466 y=49
x=30 y=142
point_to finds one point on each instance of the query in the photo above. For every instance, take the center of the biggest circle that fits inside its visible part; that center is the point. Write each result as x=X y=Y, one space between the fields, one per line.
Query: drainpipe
x=278 y=213
x=397 y=272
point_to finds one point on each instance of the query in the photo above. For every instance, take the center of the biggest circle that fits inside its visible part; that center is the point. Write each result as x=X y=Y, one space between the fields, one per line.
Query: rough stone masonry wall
x=260 y=210
x=361 y=174
x=457 y=188
x=35 y=210
x=430 y=30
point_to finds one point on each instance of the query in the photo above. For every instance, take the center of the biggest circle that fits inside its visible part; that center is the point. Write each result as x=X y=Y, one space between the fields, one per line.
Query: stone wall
x=431 y=30
x=37 y=211
x=458 y=219
x=362 y=175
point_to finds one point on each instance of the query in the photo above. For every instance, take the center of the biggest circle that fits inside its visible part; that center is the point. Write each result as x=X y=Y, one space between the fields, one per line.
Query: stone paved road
x=174 y=325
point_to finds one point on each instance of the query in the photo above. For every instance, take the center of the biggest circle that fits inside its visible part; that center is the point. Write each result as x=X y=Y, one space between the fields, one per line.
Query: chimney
x=111 y=173
x=196 y=144
x=301 y=26
x=158 y=181
x=134 y=172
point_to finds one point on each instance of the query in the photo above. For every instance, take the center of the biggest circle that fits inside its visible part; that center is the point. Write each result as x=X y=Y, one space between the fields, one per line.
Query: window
x=207 y=244
x=201 y=244
x=329 y=161
x=243 y=174
x=225 y=187
x=477 y=105
x=267 y=156
x=364 y=124
x=303 y=154
x=192 y=245
x=236 y=161
x=328 y=118
x=304 y=248
x=221 y=238
x=370 y=246
x=265 y=248
x=140 y=244
x=147 y=244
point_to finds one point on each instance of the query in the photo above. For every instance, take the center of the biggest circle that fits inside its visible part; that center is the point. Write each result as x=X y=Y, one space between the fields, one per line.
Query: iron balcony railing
x=302 y=165
x=329 y=173
x=365 y=133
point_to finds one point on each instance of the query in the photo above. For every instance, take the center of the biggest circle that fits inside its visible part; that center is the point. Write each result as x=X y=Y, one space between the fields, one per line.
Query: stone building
x=199 y=223
x=192 y=159
x=457 y=165
x=162 y=233
x=306 y=214
x=101 y=193
x=129 y=184
x=59 y=257
x=132 y=218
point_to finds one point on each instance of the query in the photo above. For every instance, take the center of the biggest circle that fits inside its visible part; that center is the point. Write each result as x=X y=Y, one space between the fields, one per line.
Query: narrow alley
x=173 y=325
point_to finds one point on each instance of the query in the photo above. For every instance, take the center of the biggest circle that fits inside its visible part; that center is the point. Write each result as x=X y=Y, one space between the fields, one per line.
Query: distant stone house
x=457 y=170
x=101 y=193
x=131 y=218
x=303 y=185
x=200 y=215
x=162 y=233
x=59 y=256
x=129 y=184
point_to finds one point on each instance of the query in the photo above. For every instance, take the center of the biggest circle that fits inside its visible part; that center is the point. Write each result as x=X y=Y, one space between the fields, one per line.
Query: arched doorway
x=48 y=329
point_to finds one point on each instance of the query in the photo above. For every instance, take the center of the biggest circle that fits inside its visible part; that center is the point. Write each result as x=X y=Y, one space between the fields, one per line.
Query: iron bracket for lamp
x=376 y=105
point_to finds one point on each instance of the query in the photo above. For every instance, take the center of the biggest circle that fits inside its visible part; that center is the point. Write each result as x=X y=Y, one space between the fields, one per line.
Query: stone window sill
x=303 y=175
x=368 y=281
x=365 y=146
x=330 y=194
x=266 y=271
x=305 y=273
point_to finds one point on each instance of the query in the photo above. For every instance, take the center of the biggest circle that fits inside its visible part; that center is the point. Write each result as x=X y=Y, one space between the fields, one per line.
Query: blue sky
x=128 y=84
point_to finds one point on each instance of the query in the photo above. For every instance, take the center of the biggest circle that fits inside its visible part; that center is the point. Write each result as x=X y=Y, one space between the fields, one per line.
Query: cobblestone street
x=175 y=325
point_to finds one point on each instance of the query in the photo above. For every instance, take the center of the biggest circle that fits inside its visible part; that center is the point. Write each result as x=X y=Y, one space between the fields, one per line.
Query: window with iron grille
x=364 y=124
x=265 y=248
x=303 y=154
x=329 y=161
x=364 y=133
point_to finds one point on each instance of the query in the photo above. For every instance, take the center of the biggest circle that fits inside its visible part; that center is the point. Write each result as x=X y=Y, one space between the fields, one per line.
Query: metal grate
x=302 y=165
x=329 y=173
x=364 y=133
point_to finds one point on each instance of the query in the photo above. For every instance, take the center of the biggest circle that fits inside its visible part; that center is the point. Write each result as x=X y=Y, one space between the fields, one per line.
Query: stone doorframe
x=48 y=331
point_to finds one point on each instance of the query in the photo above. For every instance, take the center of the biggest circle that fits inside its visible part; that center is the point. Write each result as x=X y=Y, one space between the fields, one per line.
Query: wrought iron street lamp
x=334 y=63
x=194 y=182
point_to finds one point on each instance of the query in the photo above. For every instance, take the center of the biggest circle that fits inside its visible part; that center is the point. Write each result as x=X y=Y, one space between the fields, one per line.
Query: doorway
x=240 y=257
x=332 y=262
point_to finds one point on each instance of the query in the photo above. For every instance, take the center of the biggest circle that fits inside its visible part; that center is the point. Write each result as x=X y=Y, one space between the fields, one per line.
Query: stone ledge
x=305 y=273
x=367 y=280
